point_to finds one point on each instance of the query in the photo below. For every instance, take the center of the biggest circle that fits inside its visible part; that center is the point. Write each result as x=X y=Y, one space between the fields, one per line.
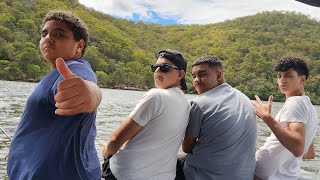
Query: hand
x=263 y=111
x=75 y=95
x=104 y=151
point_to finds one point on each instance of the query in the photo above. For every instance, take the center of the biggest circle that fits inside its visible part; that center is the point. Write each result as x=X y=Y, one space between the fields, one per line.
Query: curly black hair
x=74 y=23
x=297 y=64
x=212 y=61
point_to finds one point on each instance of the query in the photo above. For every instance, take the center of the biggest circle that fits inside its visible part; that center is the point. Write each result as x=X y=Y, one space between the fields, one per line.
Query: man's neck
x=298 y=93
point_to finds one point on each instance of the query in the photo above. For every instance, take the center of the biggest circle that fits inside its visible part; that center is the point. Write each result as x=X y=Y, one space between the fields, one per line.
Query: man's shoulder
x=153 y=94
x=154 y=91
x=299 y=102
x=163 y=92
x=299 y=98
x=199 y=100
x=78 y=62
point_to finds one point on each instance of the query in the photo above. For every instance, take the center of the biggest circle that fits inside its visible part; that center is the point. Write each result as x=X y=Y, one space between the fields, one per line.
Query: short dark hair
x=212 y=61
x=73 y=22
x=297 y=64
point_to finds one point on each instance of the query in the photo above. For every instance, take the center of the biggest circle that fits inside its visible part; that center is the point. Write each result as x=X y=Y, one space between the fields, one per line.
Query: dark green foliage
x=121 y=51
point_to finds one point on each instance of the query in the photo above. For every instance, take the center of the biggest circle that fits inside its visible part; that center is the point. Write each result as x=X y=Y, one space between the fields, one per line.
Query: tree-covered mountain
x=121 y=51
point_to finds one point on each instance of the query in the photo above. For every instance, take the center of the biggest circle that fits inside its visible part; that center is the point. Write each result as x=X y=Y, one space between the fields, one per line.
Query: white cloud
x=196 y=11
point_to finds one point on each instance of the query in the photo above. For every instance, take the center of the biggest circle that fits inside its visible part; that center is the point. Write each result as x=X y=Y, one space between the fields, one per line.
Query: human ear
x=80 y=46
x=219 y=74
x=303 y=78
x=181 y=74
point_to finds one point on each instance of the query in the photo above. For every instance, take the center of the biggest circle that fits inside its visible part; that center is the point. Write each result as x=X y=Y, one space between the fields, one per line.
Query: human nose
x=196 y=79
x=157 y=70
x=283 y=79
x=48 y=37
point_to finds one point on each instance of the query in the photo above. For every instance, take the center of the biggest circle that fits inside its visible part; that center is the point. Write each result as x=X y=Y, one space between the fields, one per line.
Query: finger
x=257 y=98
x=270 y=99
x=102 y=143
x=69 y=83
x=67 y=96
x=270 y=102
x=69 y=104
x=69 y=112
x=63 y=69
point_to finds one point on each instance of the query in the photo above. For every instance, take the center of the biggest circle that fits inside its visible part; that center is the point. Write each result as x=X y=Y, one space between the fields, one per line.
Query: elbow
x=186 y=149
x=298 y=149
x=297 y=152
x=188 y=143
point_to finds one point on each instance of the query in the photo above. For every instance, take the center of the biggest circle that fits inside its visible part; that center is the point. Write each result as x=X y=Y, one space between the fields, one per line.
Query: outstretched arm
x=75 y=95
x=292 y=138
x=123 y=133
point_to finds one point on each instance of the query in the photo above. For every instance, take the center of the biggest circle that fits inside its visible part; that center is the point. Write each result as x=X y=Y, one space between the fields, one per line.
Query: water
x=115 y=106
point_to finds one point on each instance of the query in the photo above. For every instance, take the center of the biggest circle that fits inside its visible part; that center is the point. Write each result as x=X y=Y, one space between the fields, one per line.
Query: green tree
x=102 y=78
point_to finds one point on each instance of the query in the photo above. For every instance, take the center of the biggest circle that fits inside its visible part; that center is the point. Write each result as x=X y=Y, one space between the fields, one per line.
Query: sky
x=194 y=11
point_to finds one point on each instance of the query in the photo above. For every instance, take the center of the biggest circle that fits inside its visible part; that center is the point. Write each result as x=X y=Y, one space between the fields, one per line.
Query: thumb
x=102 y=143
x=63 y=69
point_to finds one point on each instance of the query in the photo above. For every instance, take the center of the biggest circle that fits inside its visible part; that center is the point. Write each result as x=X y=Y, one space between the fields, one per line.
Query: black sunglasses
x=163 y=67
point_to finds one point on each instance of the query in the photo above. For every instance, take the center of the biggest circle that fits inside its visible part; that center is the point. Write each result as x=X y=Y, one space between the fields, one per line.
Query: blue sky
x=194 y=11
x=154 y=18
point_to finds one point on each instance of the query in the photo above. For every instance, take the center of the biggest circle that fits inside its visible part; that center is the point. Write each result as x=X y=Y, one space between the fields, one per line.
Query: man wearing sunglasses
x=221 y=135
x=145 y=145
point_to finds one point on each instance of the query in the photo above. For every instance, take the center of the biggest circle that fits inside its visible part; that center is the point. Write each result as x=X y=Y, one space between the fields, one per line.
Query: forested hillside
x=120 y=51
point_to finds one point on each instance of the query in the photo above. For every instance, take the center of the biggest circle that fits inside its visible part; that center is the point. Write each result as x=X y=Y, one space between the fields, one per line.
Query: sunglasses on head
x=163 y=67
x=166 y=55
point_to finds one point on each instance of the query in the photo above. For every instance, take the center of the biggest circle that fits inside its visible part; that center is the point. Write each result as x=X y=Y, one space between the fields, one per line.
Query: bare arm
x=188 y=143
x=292 y=138
x=123 y=133
x=311 y=154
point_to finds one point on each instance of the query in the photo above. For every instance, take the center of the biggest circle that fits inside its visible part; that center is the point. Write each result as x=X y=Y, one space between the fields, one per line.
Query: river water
x=115 y=106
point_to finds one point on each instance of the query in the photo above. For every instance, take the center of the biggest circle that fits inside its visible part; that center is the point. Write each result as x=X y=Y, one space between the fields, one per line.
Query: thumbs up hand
x=63 y=69
x=74 y=94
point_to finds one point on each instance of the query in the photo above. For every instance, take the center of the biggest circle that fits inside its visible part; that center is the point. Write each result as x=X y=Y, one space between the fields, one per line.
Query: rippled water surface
x=115 y=106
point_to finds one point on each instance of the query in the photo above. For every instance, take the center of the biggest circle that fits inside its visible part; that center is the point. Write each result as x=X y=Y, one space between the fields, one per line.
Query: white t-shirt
x=152 y=152
x=273 y=160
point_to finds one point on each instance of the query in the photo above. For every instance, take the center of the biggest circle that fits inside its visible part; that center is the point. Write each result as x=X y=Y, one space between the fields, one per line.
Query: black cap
x=177 y=59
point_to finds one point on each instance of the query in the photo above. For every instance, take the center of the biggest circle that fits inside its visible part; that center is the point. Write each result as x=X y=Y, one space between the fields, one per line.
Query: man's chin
x=157 y=85
x=199 y=91
x=282 y=90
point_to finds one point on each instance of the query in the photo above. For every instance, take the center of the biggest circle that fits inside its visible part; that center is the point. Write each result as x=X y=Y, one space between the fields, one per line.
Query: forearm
x=291 y=140
x=122 y=134
x=112 y=148
x=188 y=143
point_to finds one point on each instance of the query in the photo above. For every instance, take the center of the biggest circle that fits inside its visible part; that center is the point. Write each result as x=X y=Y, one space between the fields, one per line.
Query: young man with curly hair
x=294 y=127
x=47 y=145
